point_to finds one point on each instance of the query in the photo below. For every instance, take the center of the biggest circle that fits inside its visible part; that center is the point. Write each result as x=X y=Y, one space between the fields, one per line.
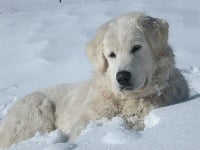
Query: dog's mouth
x=130 y=87
x=145 y=83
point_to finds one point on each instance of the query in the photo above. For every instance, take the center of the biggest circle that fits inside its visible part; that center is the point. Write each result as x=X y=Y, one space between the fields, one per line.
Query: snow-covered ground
x=42 y=43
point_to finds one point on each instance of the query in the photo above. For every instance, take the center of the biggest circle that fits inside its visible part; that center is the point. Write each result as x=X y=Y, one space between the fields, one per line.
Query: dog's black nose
x=123 y=78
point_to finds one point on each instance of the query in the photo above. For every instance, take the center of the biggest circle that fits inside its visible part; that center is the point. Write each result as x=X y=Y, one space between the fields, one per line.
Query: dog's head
x=125 y=49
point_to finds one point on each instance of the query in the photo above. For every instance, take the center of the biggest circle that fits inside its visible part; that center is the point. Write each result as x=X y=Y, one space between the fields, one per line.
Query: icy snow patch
x=6 y=106
x=114 y=138
x=117 y=135
x=151 y=120
x=194 y=69
x=41 y=141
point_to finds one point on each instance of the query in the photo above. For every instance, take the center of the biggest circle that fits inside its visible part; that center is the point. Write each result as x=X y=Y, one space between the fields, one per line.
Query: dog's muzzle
x=127 y=82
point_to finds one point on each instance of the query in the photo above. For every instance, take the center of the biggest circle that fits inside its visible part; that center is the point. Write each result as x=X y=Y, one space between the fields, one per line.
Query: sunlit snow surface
x=42 y=43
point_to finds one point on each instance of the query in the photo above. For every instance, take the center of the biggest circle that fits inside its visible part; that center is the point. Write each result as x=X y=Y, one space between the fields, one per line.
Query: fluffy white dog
x=135 y=72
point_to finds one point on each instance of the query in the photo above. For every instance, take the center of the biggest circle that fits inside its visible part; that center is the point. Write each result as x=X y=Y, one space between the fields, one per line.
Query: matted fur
x=155 y=83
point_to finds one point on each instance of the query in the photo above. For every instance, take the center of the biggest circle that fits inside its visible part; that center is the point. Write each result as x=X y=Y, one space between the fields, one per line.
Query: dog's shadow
x=193 y=97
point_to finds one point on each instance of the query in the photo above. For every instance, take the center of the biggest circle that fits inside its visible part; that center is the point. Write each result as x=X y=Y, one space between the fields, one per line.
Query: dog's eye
x=112 y=55
x=135 y=48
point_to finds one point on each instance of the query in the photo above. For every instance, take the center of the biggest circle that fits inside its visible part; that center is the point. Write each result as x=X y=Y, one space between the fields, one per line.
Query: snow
x=43 y=42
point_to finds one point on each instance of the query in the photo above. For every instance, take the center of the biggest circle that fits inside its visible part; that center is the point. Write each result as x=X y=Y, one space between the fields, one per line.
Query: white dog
x=135 y=72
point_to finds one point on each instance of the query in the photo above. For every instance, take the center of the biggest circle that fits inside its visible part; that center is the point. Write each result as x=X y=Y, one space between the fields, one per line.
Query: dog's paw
x=135 y=122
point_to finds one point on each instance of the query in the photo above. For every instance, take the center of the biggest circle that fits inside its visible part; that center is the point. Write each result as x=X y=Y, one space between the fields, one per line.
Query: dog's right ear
x=156 y=31
x=95 y=50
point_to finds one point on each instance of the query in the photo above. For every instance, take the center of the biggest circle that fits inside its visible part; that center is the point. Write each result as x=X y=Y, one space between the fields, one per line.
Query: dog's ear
x=156 y=32
x=95 y=50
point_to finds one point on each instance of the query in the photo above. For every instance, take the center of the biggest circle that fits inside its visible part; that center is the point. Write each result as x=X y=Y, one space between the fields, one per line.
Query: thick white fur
x=70 y=107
